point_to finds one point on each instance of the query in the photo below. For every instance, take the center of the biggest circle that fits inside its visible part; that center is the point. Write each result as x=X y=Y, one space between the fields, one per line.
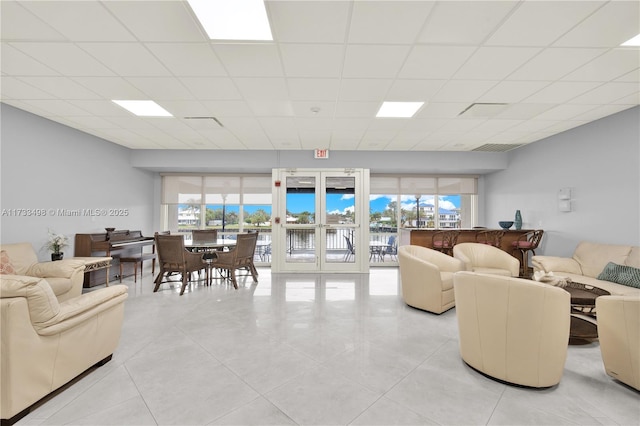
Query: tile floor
x=313 y=350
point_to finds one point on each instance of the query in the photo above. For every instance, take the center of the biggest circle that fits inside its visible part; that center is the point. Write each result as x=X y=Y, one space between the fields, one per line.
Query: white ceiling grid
x=319 y=84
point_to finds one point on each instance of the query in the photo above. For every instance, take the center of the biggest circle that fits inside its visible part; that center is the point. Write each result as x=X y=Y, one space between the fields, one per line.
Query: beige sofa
x=512 y=329
x=486 y=259
x=64 y=276
x=588 y=261
x=45 y=344
x=426 y=277
x=619 y=335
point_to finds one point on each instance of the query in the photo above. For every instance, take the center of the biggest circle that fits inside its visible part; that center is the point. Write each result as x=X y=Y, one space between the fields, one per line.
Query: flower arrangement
x=56 y=242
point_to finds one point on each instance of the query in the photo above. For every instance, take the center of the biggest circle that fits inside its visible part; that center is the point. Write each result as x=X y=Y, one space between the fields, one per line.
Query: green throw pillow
x=621 y=274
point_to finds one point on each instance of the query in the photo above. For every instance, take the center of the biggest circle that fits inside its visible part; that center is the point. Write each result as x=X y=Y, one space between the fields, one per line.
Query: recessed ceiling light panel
x=144 y=108
x=398 y=109
x=233 y=19
x=635 y=41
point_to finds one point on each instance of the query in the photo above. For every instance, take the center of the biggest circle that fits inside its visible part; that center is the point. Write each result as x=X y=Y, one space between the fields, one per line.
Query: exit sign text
x=321 y=153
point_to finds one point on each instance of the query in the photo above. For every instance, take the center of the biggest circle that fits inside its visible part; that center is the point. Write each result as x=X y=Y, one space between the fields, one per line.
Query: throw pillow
x=6 y=267
x=621 y=274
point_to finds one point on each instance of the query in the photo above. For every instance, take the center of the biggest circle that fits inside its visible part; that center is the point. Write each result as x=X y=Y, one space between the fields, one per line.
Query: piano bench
x=135 y=259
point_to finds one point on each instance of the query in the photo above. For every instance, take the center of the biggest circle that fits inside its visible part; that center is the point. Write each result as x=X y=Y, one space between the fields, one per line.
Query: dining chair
x=443 y=241
x=391 y=249
x=240 y=257
x=199 y=236
x=350 y=250
x=173 y=257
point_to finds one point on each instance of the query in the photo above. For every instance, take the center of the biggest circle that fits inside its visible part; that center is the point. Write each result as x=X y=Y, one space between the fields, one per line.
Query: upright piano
x=114 y=243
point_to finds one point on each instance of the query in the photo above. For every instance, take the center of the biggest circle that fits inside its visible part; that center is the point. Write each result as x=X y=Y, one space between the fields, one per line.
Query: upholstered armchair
x=46 y=343
x=427 y=278
x=619 y=335
x=512 y=329
x=486 y=259
x=65 y=277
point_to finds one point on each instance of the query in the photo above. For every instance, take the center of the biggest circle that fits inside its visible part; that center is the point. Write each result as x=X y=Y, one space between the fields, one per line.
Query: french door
x=320 y=221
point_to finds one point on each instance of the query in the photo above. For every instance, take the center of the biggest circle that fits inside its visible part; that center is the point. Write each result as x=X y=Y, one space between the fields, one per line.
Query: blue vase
x=518 y=220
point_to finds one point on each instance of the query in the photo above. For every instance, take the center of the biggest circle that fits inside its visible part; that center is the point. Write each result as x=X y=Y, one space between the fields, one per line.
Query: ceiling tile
x=309 y=21
x=126 y=59
x=312 y=60
x=374 y=61
x=350 y=109
x=264 y=108
x=314 y=108
x=554 y=63
x=564 y=112
x=171 y=21
x=599 y=112
x=19 y=88
x=216 y=88
x=279 y=128
x=188 y=59
x=357 y=125
x=441 y=109
x=111 y=87
x=464 y=22
x=161 y=88
x=80 y=20
x=612 y=24
x=61 y=87
x=262 y=88
x=18 y=24
x=633 y=76
x=609 y=66
x=607 y=93
x=463 y=90
x=494 y=63
x=65 y=58
x=523 y=111
x=413 y=90
x=55 y=107
x=511 y=91
x=560 y=92
x=227 y=108
x=388 y=22
x=541 y=23
x=320 y=89
x=364 y=89
x=102 y=108
x=186 y=108
x=435 y=62
x=250 y=60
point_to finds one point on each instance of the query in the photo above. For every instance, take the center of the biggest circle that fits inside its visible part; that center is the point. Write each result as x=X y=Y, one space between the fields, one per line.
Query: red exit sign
x=321 y=153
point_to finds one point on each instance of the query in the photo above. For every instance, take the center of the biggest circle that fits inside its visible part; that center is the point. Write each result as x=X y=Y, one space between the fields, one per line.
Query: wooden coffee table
x=584 y=327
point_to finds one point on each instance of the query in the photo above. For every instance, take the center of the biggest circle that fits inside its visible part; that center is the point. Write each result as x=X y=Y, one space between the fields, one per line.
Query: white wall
x=599 y=161
x=49 y=166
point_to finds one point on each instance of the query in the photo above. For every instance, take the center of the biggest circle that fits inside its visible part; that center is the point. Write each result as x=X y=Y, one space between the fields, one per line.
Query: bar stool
x=443 y=241
x=490 y=237
x=526 y=243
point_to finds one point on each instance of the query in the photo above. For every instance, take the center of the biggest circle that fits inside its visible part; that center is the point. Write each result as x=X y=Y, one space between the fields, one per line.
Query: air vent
x=215 y=120
x=498 y=147
x=484 y=110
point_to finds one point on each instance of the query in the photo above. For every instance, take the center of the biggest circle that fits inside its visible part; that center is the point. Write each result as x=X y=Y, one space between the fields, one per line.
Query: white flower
x=56 y=242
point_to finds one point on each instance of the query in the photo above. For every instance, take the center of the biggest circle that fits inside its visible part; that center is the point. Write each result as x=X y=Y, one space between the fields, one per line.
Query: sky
x=340 y=203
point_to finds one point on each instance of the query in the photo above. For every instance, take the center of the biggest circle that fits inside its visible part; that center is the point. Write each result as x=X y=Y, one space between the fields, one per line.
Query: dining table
x=207 y=248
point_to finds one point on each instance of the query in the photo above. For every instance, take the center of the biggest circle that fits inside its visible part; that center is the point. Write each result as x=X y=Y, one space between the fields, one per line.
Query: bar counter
x=422 y=237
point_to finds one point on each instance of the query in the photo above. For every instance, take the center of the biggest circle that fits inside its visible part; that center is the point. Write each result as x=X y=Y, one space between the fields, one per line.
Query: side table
x=95 y=264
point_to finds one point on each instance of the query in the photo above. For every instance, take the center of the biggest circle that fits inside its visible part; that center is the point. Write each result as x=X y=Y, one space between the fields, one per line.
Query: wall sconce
x=564 y=199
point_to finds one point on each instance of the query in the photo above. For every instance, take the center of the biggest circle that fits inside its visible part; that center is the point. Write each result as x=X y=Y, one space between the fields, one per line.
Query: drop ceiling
x=550 y=65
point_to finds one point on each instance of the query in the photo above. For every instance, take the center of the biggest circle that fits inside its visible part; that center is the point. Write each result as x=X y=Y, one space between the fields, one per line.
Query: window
x=229 y=203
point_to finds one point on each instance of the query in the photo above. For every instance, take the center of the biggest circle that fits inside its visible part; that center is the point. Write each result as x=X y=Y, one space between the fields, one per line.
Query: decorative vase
x=518 y=220
x=57 y=256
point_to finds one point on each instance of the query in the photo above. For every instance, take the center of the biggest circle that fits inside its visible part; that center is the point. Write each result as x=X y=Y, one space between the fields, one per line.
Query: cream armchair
x=427 y=278
x=45 y=344
x=619 y=335
x=486 y=259
x=64 y=276
x=512 y=329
